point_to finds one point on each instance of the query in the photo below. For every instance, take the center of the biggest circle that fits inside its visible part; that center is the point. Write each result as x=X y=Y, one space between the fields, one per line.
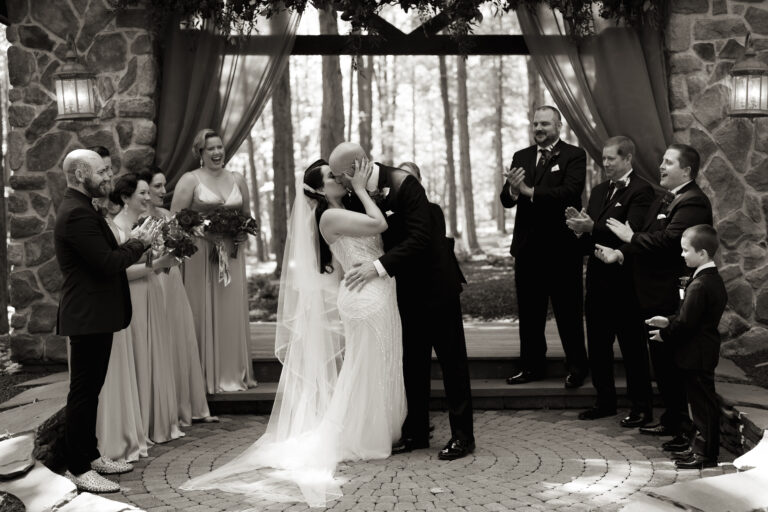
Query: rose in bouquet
x=177 y=240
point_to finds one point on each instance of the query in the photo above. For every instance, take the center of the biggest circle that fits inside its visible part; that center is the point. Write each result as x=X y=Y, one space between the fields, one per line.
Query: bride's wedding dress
x=321 y=418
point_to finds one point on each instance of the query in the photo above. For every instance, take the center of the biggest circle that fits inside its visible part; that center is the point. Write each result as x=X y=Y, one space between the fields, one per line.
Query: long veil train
x=296 y=458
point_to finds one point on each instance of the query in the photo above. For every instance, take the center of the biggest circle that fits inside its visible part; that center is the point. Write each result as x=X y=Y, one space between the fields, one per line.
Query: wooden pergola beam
x=415 y=43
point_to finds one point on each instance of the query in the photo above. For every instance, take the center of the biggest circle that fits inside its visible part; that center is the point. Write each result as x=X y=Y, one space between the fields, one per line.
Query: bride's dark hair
x=313 y=181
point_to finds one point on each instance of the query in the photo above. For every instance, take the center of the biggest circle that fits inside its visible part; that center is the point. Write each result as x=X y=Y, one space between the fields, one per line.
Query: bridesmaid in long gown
x=150 y=330
x=220 y=311
x=190 y=386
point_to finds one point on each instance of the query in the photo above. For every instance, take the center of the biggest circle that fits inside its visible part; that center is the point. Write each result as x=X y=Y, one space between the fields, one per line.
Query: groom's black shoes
x=408 y=444
x=456 y=449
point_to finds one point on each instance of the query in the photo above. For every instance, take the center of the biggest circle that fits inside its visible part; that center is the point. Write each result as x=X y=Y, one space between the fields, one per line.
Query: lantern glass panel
x=60 y=95
x=753 y=92
x=739 y=92
x=84 y=95
x=70 y=96
x=764 y=92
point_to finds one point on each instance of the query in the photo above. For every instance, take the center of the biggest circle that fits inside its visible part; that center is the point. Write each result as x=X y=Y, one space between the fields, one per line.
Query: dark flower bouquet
x=222 y=224
x=189 y=221
x=178 y=237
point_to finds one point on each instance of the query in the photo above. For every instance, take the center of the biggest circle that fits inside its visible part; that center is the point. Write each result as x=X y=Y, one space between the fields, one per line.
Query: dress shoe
x=696 y=462
x=683 y=455
x=106 y=466
x=656 y=430
x=456 y=449
x=574 y=380
x=407 y=444
x=523 y=376
x=596 y=413
x=91 y=481
x=676 y=444
x=636 y=419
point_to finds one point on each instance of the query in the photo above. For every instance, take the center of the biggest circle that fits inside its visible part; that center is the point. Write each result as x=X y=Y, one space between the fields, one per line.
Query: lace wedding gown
x=297 y=460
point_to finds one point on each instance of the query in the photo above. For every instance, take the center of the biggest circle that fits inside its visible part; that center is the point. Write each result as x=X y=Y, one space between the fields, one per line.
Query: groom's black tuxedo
x=428 y=286
x=611 y=308
x=95 y=302
x=548 y=262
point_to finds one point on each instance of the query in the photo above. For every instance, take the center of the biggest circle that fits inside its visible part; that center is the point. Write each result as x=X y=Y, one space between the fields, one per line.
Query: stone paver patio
x=525 y=460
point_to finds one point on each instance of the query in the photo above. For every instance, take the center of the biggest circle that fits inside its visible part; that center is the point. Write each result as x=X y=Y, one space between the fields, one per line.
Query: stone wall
x=122 y=53
x=705 y=38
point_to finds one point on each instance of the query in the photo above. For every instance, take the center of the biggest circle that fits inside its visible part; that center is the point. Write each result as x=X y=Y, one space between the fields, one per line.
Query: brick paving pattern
x=525 y=460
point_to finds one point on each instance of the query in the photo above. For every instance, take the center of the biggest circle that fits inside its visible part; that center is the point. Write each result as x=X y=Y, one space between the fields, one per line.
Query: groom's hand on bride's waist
x=360 y=274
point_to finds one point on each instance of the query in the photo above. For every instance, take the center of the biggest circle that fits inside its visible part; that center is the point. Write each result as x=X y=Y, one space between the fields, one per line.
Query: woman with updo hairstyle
x=137 y=402
x=220 y=311
x=188 y=374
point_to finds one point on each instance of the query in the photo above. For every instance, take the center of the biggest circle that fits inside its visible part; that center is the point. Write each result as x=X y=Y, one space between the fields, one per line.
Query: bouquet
x=222 y=224
x=177 y=240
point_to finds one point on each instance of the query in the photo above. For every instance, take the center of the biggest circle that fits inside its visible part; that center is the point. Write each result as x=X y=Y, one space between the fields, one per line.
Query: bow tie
x=619 y=184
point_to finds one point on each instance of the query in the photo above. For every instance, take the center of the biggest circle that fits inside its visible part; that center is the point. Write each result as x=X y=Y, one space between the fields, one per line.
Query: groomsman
x=95 y=302
x=543 y=180
x=657 y=266
x=611 y=307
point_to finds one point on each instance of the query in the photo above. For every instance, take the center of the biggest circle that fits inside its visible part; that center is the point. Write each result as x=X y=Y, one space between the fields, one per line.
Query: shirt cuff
x=380 y=268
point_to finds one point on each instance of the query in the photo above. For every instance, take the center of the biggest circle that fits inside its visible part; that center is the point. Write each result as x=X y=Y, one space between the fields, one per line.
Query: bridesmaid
x=190 y=386
x=150 y=330
x=220 y=312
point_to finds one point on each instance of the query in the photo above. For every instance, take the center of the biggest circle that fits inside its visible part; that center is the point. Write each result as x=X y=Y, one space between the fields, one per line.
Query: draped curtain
x=209 y=82
x=612 y=83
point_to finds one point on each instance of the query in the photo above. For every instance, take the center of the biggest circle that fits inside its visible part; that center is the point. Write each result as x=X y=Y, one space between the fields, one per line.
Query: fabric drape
x=612 y=83
x=203 y=87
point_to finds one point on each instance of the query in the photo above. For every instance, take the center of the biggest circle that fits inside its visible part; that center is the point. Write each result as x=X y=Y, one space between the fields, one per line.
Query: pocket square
x=617 y=204
x=389 y=212
x=555 y=168
x=661 y=216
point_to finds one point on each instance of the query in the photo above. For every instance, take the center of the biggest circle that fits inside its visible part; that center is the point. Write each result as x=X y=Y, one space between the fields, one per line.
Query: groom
x=428 y=287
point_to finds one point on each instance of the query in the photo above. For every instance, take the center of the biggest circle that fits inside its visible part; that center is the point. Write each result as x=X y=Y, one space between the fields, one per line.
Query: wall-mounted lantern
x=74 y=88
x=749 y=85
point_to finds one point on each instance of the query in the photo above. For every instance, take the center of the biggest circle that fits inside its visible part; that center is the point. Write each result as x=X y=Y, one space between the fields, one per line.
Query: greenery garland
x=241 y=16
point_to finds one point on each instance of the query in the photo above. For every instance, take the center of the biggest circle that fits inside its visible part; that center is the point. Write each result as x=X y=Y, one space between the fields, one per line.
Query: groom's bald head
x=343 y=158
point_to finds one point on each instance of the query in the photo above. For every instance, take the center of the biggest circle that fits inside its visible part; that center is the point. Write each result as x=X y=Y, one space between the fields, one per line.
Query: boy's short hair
x=703 y=236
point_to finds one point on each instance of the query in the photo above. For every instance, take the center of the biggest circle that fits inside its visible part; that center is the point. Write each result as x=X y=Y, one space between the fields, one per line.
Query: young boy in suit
x=695 y=341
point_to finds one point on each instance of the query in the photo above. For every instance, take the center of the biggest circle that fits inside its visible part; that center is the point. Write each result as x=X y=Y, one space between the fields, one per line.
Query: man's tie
x=611 y=190
x=543 y=159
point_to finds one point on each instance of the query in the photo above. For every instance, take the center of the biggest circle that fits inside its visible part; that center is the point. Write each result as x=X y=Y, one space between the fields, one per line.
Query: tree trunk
x=365 y=102
x=351 y=101
x=450 y=169
x=282 y=161
x=497 y=174
x=4 y=327
x=332 y=116
x=413 y=115
x=256 y=206
x=535 y=94
x=465 y=167
x=389 y=154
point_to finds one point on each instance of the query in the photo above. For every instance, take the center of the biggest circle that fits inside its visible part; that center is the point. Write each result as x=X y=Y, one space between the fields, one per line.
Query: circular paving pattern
x=525 y=460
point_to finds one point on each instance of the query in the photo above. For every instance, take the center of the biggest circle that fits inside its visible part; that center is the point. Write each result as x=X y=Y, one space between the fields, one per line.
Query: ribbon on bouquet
x=220 y=254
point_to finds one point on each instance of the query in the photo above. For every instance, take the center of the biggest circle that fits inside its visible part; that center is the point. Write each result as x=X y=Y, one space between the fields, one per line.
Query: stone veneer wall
x=121 y=52
x=704 y=39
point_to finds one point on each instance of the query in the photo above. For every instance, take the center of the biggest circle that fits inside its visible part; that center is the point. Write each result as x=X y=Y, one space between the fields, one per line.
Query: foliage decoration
x=241 y=16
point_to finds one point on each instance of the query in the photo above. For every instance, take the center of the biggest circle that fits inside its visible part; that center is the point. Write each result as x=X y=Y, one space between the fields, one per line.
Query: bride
x=340 y=395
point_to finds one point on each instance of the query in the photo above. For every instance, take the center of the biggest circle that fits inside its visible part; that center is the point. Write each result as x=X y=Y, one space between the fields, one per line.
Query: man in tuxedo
x=95 y=302
x=611 y=308
x=428 y=287
x=543 y=180
x=654 y=253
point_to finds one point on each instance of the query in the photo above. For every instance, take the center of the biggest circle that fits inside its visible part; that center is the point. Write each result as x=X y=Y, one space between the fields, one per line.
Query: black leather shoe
x=596 y=413
x=696 y=462
x=523 y=376
x=636 y=419
x=407 y=444
x=684 y=455
x=676 y=444
x=656 y=430
x=574 y=380
x=456 y=449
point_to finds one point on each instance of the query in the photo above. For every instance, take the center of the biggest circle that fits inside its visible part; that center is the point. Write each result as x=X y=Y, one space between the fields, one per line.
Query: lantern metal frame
x=747 y=74
x=74 y=79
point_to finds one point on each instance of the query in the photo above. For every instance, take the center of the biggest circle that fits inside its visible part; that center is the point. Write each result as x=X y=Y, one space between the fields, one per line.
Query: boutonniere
x=684 y=280
x=666 y=201
x=620 y=184
x=550 y=156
